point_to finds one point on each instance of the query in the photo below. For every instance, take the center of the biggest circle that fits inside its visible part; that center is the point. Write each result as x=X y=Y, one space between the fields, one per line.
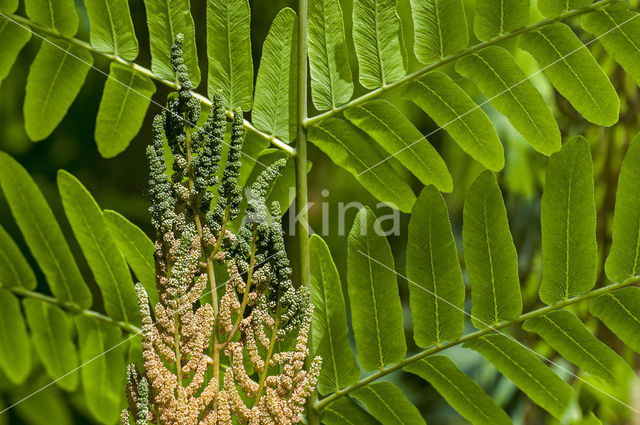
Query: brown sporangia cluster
x=242 y=358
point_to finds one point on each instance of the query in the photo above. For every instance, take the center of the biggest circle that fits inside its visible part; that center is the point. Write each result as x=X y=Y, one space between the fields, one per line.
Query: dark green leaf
x=166 y=19
x=354 y=150
x=331 y=80
x=453 y=110
x=435 y=280
x=124 y=104
x=15 y=350
x=42 y=233
x=47 y=406
x=58 y=15
x=553 y=8
x=525 y=369
x=55 y=79
x=376 y=311
x=620 y=312
x=440 y=28
x=13 y=37
x=274 y=109
x=494 y=18
x=387 y=404
x=490 y=255
x=111 y=28
x=574 y=72
x=618 y=29
x=464 y=395
x=568 y=216
x=377 y=36
x=566 y=334
x=229 y=52
x=14 y=269
x=345 y=411
x=105 y=260
x=137 y=249
x=402 y=140
x=102 y=352
x=330 y=329
x=623 y=261
x=502 y=81
x=52 y=338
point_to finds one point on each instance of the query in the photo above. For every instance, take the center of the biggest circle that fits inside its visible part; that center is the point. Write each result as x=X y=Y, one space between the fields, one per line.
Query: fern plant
x=372 y=137
x=437 y=296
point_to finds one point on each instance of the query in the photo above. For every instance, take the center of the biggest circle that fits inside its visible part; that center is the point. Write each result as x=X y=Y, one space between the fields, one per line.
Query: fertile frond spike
x=184 y=381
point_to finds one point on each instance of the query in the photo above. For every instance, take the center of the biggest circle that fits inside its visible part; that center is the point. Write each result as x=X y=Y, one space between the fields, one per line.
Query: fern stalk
x=472 y=336
x=302 y=224
x=450 y=59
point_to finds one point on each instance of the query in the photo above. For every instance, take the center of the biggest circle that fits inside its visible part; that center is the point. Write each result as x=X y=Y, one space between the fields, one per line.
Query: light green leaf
x=14 y=37
x=9 y=6
x=58 y=15
x=51 y=336
x=387 y=404
x=376 y=311
x=566 y=334
x=42 y=233
x=574 y=72
x=229 y=52
x=124 y=104
x=354 y=151
x=14 y=269
x=331 y=80
x=618 y=29
x=568 y=216
x=282 y=190
x=105 y=260
x=460 y=391
x=620 y=312
x=42 y=407
x=55 y=79
x=553 y=8
x=137 y=249
x=102 y=352
x=377 y=36
x=166 y=19
x=520 y=365
x=402 y=140
x=490 y=255
x=590 y=419
x=111 y=28
x=623 y=261
x=435 y=281
x=252 y=148
x=345 y=411
x=440 y=28
x=330 y=329
x=494 y=18
x=15 y=350
x=453 y=110
x=502 y=81
x=274 y=109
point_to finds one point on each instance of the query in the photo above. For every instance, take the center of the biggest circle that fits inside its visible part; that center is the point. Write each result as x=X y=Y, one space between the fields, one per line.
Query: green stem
x=22 y=21
x=470 y=50
x=302 y=225
x=73 y=308
x=471 y=336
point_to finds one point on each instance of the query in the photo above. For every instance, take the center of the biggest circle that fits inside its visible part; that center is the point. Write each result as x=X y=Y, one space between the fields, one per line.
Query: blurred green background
x=121 y=183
